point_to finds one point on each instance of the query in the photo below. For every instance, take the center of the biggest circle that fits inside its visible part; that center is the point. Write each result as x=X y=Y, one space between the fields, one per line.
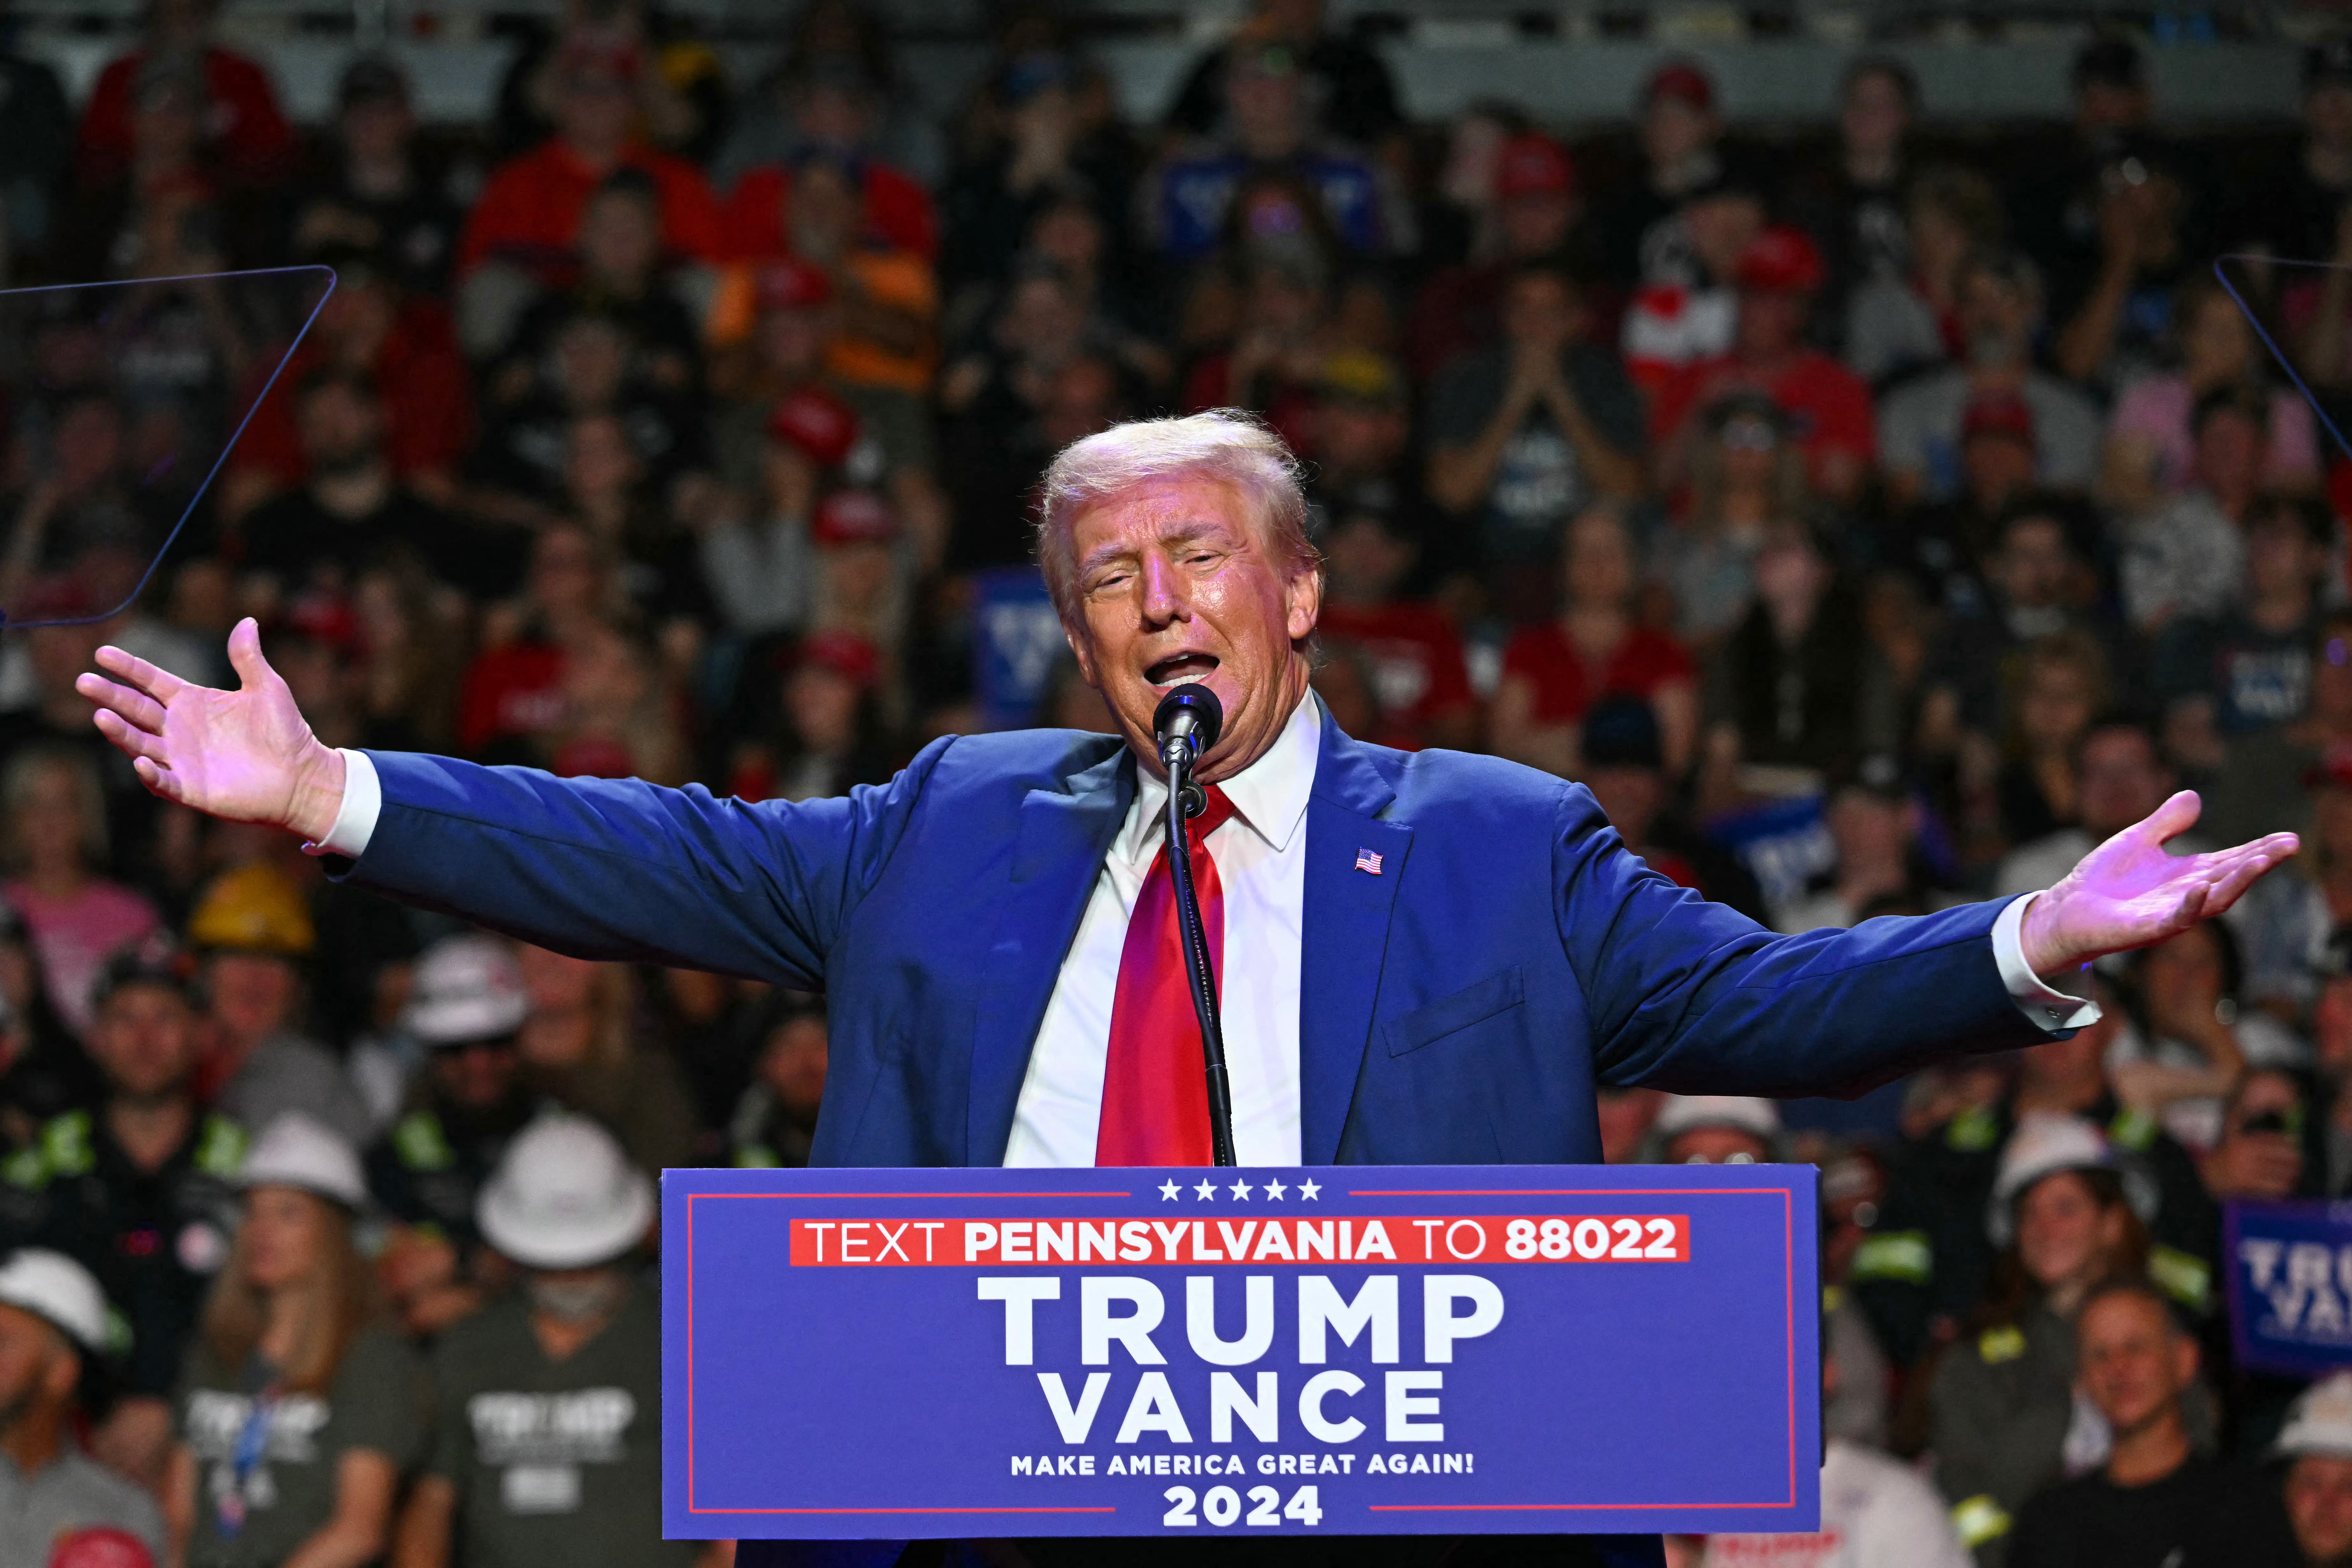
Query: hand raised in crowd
x=2128 y=893
x=247 y=756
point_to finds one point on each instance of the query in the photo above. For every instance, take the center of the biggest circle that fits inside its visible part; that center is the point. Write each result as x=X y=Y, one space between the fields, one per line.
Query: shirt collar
x=1269 y=796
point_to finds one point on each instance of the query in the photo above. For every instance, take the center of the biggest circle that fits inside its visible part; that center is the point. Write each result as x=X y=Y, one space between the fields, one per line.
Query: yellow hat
x=253 y=909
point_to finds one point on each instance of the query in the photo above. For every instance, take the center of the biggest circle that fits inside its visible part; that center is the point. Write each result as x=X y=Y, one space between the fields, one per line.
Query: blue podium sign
x=2288 y=1268
x=1337 y=1350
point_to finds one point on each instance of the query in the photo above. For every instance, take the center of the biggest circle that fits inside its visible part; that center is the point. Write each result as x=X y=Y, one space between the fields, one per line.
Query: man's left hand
x=2130 y=893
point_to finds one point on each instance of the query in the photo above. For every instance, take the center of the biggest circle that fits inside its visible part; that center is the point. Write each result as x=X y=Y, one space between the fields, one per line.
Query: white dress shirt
x=1261 y=858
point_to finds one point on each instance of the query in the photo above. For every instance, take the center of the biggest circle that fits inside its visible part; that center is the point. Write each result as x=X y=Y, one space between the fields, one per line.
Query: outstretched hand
x=2130 y=893
x=246 y=756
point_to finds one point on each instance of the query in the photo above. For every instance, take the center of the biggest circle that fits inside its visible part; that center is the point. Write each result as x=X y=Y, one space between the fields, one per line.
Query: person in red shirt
x=1828 y=405
x=1553 y=673
x=1420 y=682
x=528 y=215
x=248 y=137
x=831 y=112
x=512 y=698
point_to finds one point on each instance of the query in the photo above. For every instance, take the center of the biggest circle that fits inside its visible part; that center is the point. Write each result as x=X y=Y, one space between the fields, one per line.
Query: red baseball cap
x=845 y=654
x=325 y=617
x=854 y=517
x=100 y=1546
x=821 y=425
x=2333 y=770
x=1781 y=259
x=1680 y=79
x=1533 y=165
x=1999 y=414
x=790 y=284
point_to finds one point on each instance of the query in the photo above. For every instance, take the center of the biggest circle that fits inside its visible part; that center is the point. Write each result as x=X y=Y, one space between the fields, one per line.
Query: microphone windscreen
x=1195 y=700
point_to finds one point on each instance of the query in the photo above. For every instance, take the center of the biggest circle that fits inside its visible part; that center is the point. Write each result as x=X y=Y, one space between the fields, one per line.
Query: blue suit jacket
x=1458 y=1007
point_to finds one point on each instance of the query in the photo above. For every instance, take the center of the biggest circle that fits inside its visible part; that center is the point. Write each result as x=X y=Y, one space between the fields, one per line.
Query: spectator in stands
x=2260 y=1153
x=1788 y=687
x=528 y=217
x=36 y=149
x=46 y=1072
x=1269 y=127
x=2151 y=445
x=1420 y=683
x=2296 y=211
x=1554 y=671
x=1945 y=544
x=1355 y=99
x=245 y=131
x=1921 y=423
x=1359 y=427
x=1714 y=1130
x=1874 y=822
x=2154 y=1498
x=621 y=274
x=2316 y=1445
x=56 y=841
x=1745 y=478
x=2194 y=1042
x=2119 y=777
x=1902 y=322
x=823 y=735
x=1274 y=364
x=375 y=195
x=774 y=1122
x=2186 y=556
x=871 y=106
x=1854 y=204
x=889 y=293
x=134 y=1186
x=830 y=108
x=1643 y=234
x=2249 y=669
x=290 y=1342
x=1623 y=764
x=511 y=692
x=468 y=1001
x=1046 y=162
x=565 y=1206
x=1686 y=308
x=54 y=1333
x=1827 y=404
x=255 y=937
x=2111 y=303
x=1525 y=435
x=1535 y=208
x=619 y=719
x=579 y=1046
x=2057 y=203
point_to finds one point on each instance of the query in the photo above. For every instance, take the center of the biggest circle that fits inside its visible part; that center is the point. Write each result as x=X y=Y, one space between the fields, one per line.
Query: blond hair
x=1227 y=445
x=338 y=1300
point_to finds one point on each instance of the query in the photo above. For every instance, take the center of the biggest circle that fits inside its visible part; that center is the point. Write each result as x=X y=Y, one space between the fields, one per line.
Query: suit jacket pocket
x=1498 y=993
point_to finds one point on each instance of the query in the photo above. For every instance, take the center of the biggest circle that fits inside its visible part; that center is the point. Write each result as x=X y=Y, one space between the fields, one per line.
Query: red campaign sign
x=1401 y=1239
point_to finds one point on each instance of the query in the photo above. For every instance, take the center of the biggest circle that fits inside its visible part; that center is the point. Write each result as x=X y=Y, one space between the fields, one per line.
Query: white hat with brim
x=564 y=1195
x=466 y=988
x=59 y=1291
x=297 y=1150
x=1742 y=1113
x=2319 y=1421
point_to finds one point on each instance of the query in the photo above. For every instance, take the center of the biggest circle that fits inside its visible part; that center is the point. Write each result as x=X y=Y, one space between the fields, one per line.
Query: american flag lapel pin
x=1368 y=861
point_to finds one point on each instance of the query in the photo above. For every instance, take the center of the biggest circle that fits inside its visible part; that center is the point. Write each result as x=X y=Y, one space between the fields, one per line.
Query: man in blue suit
x=1425 y=959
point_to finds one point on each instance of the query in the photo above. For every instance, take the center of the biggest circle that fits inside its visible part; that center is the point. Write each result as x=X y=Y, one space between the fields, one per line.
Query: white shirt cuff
x=355 y=818
x=2050 y=1008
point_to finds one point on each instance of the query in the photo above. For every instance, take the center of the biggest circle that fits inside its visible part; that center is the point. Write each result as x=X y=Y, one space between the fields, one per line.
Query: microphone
x=1186 y=724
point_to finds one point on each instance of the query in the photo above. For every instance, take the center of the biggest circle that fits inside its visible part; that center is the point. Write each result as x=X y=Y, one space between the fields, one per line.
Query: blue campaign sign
x=1335 y=1350
x=2289 y=1268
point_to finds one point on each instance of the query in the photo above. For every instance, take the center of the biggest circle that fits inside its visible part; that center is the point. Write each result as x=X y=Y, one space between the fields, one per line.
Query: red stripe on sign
x=1384 y=1238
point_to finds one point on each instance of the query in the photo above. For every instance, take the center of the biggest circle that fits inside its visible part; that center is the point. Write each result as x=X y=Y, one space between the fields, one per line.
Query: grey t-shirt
x=40 y=1513
x=286 y=1073
x=1919 y=427
x=284 y=1474
x=554 y=1461
x=1540 y=484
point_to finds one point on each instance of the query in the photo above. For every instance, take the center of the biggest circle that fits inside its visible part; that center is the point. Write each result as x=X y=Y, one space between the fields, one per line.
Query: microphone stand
x=1185 y=800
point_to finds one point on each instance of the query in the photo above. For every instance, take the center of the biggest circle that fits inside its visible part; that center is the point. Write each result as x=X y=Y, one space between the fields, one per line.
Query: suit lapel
x=1063 y=840
x=1346 y=932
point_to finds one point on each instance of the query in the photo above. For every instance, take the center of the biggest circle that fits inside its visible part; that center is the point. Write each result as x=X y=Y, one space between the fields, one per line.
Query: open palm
x=2130 y=893
x=248 y=755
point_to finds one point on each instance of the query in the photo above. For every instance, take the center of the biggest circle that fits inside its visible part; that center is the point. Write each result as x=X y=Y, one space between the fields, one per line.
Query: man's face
x=1536 y=223
x=1539 y=314
x=2034 y=564
x=1175 y=585
x=2281 y=559
x=1991 y=306
x=1875 y=113
x=2229 y=452
x=1722 y=227
x=1673 y=128
x=145 y=1040
x=30 y=1354
x=1365 y=557
x=793 y=1065
x=2135 y=1361
x=594 y=111
x=1265 y=107
x=476 y=1075
x=1998 y=466
x=2110 y=106
x=340 y=430
x=1629 y=796
x=252 y=993
x=1868 y=828
x=2122 y=781
x=793 y=342
x=1770 y=321
x=2319 y=1506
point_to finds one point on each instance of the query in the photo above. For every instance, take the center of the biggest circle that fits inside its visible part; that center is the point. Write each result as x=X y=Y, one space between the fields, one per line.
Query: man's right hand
x=246 y=756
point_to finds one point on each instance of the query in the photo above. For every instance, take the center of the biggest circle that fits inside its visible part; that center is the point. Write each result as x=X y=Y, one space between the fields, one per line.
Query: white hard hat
x=53 y=1286
x=564 y=1197
x=294 y=1150
x=465 y=988
x=2320 y=1420
x=1742 y=1113
x=2044 y=1144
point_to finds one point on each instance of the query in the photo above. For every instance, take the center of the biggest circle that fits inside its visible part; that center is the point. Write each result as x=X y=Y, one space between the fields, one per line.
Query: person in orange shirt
x=528 y=215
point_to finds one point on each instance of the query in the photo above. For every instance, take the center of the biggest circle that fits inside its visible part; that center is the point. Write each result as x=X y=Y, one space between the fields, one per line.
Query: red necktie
x=1155 y=1103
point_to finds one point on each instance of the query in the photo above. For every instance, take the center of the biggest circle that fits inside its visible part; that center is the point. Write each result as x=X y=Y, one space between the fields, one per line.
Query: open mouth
x=1182 y=669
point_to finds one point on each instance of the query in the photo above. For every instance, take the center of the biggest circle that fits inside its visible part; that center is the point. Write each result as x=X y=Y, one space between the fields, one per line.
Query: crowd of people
x=1870 y=522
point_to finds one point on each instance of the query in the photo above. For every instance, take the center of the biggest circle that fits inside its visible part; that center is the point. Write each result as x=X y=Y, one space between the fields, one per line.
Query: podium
x=1349 y=1351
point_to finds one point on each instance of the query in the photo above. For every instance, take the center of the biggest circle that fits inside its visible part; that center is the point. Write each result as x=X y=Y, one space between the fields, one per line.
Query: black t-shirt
x=413 y=235
x=2203 y=1515
x=2290 y=215
x=298 y=540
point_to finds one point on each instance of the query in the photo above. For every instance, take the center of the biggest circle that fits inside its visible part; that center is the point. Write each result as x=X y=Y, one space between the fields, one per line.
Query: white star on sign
x=1168 y=1190
x=1206 y=1191
x=1241 y=1189
x=1308 y=1189
x=1274 y=1190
